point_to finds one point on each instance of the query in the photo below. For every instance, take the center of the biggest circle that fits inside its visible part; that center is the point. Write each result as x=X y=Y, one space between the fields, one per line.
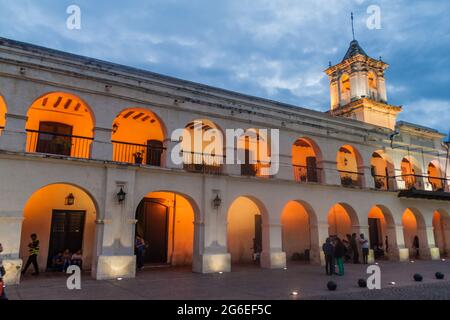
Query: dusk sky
x=267 y=48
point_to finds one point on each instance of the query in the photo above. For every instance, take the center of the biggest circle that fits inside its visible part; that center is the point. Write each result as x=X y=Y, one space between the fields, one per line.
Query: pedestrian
x=139 y=247
x=347 y=243
x=416 y=246
x=33 y=250
x=387 y=244
x=339 y=252
x=328 y=250
x=365 y=248
x=354 y=248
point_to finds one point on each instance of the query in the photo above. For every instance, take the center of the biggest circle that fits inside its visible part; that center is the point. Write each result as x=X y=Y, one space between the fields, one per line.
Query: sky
x=274 y=49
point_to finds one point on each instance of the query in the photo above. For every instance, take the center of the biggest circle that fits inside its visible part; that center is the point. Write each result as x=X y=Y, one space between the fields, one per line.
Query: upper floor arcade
x=129 y=117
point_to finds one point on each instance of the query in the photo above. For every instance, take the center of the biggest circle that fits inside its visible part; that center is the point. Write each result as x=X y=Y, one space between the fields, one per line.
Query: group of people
x=338 y=250
x=62 y=260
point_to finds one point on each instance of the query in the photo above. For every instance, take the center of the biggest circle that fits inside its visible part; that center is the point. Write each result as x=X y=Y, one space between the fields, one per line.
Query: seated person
x=58 y=262
x=77 y=259
x=378 y=252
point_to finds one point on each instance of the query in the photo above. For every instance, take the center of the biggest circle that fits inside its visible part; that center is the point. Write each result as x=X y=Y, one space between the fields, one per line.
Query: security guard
x=33 y=250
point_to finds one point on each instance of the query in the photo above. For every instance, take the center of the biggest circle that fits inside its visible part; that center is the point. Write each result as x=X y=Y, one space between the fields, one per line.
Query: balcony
x=305 y=174
x=350 y=179
x=254 y=169
x=203 y=163
x=148 y=154
x=58 y=144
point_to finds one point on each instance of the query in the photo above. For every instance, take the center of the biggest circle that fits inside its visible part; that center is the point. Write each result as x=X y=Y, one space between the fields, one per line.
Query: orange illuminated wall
x=434 y=174
x=241 y=229
x=339 y=222
x=66 y=109
x=409 y=228
x=132 y=130
x=347 y=163
x=180 y=240
x=257 y=145
x=2 y=114
x=440 y=235
x=38 y=218
x=296 y=229
x=409 y=170
x=377 y=213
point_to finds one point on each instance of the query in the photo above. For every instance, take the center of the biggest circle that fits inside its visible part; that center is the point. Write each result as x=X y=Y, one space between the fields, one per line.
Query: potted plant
x=379 y=183
x=347 y=181
x=138 y=157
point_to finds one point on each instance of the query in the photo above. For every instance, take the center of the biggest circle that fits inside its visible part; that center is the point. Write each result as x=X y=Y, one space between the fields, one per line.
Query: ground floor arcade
x=209 y=223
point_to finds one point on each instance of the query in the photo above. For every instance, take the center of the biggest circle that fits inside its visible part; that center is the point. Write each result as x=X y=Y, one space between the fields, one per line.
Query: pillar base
x=371 y=258
x=273 y=260
x=317 y=257
x=430 y=253
x=13 y=268
x=113 y=267
x=400 y=254
x=212 y=263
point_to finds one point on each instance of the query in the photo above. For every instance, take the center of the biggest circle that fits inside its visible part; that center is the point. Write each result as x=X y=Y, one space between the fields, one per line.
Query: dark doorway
x=257 y=246
x=154 y=151
x=374 y=232
x=54 y=138
x=152 y=226
x=66 y=232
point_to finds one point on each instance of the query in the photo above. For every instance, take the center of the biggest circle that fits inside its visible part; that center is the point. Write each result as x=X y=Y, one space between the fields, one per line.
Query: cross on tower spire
x=353 y=27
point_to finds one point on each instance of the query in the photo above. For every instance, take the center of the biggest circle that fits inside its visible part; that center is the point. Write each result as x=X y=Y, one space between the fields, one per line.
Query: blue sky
x=275 y=49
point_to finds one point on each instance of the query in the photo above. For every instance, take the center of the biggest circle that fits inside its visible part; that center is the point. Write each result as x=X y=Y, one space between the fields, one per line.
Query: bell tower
x=358 y=88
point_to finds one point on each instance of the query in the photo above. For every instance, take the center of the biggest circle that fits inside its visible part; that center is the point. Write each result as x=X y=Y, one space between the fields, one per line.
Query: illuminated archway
x=382 y=234
x=441 y=229
x=299 y=234
x=414 y=231
x=435 y=177
x=253 y=149
x=349 y=162
x=342 y=220
x=202 y=147
x=305 y=158
x=3 y=111
x=345 y=88
x=382 y=168
x=63 y=217
x=60 y=123
x=411 y=173
x=245 y=233
x=165 y=220
x=137 y=137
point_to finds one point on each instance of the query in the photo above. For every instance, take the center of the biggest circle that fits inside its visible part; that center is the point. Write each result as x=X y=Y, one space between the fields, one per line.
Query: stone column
x=272 y=256
x=330 y=172
x=427 y=246
x=14 y=136
x=382 y=89
x=168 y=163
x=101 y=148
x=10 y=238
x=397 y=250
x=367 y=180
x=231 y=167
x=285 y=171
x=319 y=233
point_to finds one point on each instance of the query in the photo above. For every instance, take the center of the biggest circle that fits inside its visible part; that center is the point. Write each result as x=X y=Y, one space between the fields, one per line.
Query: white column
x=169 y=145
x=272 y=256
x=427 y=246
x=14 y=136
x=101 y=147
x=367 y=179
x=329 y=169
x=382 y=89
x=319 y=233
x=396 y=239
x=286 y=171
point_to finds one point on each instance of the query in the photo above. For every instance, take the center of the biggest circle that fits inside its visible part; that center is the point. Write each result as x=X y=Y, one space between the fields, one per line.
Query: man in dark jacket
x=33 y=249
x=328 y=250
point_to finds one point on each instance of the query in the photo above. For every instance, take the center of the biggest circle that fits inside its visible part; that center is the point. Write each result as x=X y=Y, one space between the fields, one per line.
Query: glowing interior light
x=220 y=272
x=412 y=261
x=119 y=279
x=294 y=293
x=285 y=268
x=392 y=283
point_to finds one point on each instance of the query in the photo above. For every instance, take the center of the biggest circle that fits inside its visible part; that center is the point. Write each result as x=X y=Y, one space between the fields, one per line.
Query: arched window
x=345 y=88
x=435 y=177
x=305 y=161
x=349 y=162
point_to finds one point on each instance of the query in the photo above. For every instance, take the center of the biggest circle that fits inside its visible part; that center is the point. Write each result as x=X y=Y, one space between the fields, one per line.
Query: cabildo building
x=85 y=163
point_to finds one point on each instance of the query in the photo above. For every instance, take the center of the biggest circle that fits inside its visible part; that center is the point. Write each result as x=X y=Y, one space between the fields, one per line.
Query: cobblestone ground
x=246 y=282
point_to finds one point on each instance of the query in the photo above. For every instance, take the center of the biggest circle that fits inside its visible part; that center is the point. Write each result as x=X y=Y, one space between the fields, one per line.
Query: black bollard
x=362 y=283
x=331 y=286
x=439 y=275
x=418 y=277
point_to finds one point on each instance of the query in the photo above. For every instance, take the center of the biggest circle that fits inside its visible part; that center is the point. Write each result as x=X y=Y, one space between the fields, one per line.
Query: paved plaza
x=246 y=282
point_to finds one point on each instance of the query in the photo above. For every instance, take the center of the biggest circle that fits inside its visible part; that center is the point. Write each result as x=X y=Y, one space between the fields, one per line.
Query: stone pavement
x=246 y=282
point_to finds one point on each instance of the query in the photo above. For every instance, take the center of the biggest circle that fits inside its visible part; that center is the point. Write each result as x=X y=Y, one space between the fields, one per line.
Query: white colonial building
x=85 y=163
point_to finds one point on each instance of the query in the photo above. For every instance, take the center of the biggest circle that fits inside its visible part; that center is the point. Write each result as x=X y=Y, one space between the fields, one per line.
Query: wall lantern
x=70 y=200
x=217 y=202
x=121 y=195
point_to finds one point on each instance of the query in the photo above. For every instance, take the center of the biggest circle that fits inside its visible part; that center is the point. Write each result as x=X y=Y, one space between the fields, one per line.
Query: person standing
x=364 y=247
x=33 y=250
x=339 y=252
x=328 y=250
x=354 y=248
x=387 y=244
x=140 y=252
x=416 y=246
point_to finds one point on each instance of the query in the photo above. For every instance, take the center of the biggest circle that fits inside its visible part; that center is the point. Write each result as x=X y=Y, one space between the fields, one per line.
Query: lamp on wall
x=121 y=195
x=70 y=200
x=217 y=202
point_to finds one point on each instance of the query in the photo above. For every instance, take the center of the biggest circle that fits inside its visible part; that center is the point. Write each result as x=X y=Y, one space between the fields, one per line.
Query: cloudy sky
x=275 y=49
